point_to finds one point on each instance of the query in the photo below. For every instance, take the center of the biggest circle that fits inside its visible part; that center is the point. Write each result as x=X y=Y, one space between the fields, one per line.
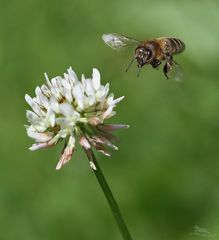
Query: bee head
x=143 y=56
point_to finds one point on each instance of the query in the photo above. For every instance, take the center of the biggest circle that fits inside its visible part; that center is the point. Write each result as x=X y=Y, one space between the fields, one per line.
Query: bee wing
x=176 y=73
x=117 y=42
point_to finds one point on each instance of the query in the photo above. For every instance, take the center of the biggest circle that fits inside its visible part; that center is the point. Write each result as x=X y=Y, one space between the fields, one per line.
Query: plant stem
x=111 y=200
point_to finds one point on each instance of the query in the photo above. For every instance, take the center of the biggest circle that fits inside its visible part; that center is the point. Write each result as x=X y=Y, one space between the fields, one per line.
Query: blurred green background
x=165 y=175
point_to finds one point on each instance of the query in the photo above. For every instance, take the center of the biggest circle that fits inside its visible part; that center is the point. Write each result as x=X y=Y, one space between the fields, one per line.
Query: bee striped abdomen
x=176 y=45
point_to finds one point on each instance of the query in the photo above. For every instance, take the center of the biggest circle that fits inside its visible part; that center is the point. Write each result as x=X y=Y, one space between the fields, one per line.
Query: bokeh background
x=165 y=175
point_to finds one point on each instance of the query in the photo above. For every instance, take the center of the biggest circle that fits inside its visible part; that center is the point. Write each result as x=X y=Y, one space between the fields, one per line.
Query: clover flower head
x=69 y=109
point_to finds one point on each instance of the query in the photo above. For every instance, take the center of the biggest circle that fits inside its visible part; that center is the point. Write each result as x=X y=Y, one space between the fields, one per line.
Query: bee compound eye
x=149 y=53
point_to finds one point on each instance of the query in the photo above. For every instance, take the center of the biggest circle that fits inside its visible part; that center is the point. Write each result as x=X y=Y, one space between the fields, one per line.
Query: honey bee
x=153 y=52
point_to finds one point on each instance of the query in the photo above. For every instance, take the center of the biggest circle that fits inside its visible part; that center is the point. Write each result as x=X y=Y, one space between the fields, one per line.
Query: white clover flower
x=68 y=109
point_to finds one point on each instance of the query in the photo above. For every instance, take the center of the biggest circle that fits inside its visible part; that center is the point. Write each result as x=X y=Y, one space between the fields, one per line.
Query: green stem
x=111 y=200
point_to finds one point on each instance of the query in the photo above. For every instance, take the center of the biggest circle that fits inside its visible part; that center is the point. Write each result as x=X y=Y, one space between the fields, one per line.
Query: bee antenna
x=130 y=64
x=139 y=70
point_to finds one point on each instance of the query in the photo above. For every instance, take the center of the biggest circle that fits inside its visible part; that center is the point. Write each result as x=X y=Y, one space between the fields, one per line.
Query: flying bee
x=153 y=52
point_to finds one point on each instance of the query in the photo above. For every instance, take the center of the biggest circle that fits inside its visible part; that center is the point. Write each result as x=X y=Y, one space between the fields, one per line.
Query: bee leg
x=176 y=63
x=167 y=67
x=155 y=63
